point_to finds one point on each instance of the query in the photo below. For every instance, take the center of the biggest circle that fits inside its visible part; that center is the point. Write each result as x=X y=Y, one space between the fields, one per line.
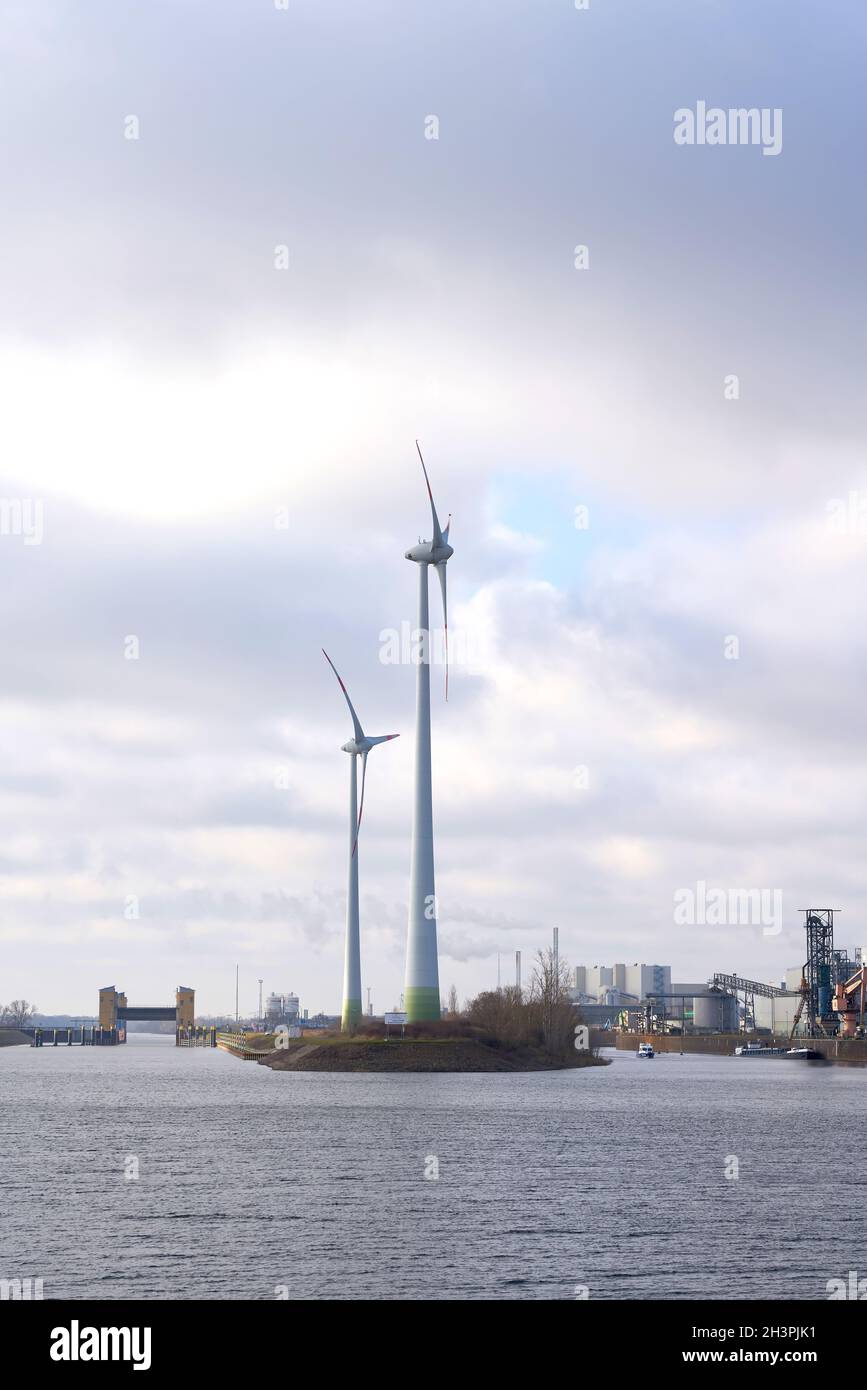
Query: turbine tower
x=422 y=988
x=360 y=745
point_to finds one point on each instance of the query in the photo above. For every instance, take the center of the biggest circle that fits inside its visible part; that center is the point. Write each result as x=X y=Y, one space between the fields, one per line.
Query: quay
x=239 y=1046
x=843 y=1052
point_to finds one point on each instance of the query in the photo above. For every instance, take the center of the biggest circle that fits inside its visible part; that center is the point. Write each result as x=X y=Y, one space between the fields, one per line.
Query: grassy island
x=498 y=1031
x=416 y=1052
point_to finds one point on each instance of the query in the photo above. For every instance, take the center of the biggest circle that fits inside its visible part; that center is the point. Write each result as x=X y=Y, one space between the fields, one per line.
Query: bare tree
x=18 y=1014
x=549 y=999
x=454 y=1007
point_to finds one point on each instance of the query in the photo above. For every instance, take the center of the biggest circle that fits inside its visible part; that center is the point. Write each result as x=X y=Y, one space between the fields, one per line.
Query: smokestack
x=518 y=971
x=556 y=953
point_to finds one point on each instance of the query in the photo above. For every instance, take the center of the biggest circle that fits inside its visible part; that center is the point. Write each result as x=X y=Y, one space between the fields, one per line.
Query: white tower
x=422 y=988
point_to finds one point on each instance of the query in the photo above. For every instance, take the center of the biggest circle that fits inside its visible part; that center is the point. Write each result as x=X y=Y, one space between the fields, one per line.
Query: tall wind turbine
x=422 y=989
x=359 y=746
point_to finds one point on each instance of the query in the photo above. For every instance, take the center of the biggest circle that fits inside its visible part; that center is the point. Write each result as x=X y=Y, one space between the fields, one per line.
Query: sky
x=239 y=278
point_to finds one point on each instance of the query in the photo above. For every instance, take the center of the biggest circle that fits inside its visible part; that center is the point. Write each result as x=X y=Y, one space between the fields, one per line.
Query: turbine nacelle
x=358 y=746
x=437 y=553
x=429 y=553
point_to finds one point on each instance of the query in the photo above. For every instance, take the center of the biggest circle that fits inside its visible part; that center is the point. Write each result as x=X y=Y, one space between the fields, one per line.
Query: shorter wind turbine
x=359 y=745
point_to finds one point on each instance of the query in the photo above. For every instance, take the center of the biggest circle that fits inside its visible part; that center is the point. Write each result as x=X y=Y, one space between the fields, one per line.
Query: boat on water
x=645 y=1050
x=801 y=1054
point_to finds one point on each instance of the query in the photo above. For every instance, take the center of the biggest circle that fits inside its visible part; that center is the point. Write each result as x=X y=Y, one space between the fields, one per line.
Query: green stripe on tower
x=422 y=1004
x=351 y=1015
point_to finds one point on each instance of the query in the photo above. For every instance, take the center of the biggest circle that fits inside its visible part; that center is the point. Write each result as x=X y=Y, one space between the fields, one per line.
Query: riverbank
x=340 y=1053
x=11 y=1037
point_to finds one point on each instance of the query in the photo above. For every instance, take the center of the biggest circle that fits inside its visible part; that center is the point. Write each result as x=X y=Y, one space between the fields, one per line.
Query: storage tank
x=716 y=1012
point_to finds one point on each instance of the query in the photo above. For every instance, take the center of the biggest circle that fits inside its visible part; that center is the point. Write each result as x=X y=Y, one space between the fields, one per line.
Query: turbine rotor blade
x=437 y=535
x=361 y=807
x=359 y=732
x=441 y=571
x=383 y=738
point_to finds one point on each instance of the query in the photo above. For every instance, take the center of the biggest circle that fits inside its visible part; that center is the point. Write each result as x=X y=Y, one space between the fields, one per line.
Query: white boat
x=645 y=1050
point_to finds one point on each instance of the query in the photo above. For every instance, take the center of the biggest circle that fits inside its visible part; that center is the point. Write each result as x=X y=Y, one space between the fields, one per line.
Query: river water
x=252 y=1182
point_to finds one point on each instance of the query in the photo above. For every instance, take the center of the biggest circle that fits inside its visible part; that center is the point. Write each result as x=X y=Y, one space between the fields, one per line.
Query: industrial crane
x=804 y=989
x=849 y=1001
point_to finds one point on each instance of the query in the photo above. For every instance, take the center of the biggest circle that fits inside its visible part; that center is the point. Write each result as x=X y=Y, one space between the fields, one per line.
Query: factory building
x=695 y=1007
x=591 y=982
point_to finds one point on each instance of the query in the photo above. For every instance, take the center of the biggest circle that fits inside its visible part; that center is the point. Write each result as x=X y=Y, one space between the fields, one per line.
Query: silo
x=274 y=1009
x=715 y=1012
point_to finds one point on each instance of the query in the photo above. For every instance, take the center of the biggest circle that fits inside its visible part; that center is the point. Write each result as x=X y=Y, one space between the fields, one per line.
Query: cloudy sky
x=215 y=454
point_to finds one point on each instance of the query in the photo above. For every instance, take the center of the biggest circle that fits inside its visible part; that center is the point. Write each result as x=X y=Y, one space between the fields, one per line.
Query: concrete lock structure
x=115 y=1012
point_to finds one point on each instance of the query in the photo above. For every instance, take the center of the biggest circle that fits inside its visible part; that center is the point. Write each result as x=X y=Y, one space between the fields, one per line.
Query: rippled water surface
x=249 y=1179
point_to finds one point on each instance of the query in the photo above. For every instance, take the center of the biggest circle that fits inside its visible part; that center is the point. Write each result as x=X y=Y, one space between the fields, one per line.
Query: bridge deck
x=140 y=1015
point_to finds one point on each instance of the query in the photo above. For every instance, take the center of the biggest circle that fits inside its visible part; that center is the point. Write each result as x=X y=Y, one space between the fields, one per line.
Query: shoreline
x=840 y=1052
x=414 y=1055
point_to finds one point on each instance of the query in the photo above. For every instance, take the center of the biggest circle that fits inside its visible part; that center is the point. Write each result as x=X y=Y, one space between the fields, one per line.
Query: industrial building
x=776 y=1013
x=281 y=1010
x=694 y=1008
x=608 y=984
x=824 y=997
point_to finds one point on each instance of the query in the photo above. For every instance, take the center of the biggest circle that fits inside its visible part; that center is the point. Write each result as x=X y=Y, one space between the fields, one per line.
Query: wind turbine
x=422 y=988
x=359 y=746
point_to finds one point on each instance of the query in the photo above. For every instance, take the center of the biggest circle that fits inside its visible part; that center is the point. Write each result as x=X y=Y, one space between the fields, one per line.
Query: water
x=250 y=1179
